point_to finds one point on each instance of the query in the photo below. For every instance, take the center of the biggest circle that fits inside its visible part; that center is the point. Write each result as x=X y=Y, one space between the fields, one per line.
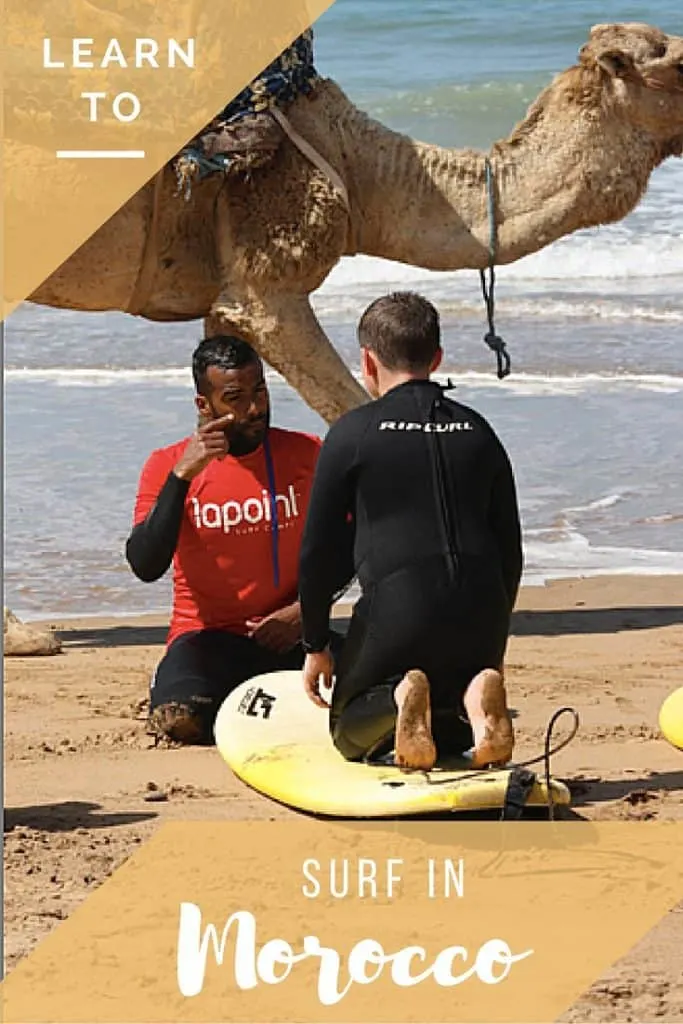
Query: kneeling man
x=430 y=493
x=226 y=507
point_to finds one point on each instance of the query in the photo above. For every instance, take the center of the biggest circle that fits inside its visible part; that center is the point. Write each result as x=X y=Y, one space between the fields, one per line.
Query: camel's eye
x=659 y=51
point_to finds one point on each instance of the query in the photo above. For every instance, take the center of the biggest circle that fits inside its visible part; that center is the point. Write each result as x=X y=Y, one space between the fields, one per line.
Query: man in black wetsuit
x=414 y=494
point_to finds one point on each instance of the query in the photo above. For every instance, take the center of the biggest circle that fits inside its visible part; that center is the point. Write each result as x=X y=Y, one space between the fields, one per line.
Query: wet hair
x=402 y=329
x=226 y=351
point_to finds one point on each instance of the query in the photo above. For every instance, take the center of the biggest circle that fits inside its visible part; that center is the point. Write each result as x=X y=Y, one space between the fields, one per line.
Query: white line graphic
x=101 y=154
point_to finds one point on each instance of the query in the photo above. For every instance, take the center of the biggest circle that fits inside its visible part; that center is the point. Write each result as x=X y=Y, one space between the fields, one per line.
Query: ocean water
x=591 y=416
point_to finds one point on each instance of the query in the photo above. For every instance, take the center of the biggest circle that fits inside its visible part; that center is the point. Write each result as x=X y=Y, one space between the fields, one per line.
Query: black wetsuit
x=414 y=494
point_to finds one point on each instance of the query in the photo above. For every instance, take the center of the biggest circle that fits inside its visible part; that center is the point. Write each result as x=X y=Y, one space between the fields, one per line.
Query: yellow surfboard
x=277 y=742
x=671 y=718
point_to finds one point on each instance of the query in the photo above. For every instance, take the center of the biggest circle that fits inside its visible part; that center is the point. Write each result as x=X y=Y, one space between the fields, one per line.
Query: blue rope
x=275 y=540
x=492 y=211
x=290 y=75
x=493 y=340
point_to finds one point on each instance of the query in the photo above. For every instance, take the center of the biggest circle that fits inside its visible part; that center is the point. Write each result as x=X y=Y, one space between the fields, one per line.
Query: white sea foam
x=541 y=384
x=601 y=287
x=518 y=384
x=598 y=505
x=570 y=554
x=460 y=297
x=665 y=517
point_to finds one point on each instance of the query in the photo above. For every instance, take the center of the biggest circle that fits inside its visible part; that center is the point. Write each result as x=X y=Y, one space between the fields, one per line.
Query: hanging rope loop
x=492 y=339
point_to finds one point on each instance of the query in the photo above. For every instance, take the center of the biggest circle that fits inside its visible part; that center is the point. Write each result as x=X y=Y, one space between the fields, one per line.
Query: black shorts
x=201 y=668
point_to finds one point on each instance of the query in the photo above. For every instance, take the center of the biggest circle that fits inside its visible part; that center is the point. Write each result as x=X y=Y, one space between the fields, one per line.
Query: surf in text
x=367 y=878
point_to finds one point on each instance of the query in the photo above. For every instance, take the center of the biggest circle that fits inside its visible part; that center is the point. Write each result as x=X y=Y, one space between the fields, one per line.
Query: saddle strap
x=312 y=154
x=148 y=262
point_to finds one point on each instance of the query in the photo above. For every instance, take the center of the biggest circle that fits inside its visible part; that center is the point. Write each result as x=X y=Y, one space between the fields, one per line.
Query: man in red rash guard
x=227 y=508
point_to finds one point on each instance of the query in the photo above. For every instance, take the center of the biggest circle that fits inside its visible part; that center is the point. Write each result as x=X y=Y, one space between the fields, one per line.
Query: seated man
x=227 y=507
x=437 y=552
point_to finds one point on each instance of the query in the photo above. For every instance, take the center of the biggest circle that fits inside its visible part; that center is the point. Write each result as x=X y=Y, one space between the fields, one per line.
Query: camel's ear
x=616 y=63
x=603 y=48
x=598 y=30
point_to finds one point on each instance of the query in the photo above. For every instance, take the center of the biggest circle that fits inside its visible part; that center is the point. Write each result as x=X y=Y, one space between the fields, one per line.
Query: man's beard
x=242 y=443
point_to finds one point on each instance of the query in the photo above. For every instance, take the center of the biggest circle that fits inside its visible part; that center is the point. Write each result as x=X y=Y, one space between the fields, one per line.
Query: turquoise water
x=592 y=415
x=436 y=66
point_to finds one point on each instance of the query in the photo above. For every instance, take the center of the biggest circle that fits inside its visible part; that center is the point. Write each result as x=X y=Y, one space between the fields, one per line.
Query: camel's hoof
x=21 y=640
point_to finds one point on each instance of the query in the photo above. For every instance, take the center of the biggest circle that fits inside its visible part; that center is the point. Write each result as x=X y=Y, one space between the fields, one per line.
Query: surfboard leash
x=548 y=753
x=521 y=780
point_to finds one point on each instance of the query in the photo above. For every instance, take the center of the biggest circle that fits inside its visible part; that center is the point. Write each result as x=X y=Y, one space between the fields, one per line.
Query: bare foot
x=415 y=750
x=486 y=706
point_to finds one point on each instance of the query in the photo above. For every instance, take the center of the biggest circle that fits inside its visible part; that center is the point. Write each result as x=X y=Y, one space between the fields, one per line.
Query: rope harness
x=493 y=340
x=292 y=74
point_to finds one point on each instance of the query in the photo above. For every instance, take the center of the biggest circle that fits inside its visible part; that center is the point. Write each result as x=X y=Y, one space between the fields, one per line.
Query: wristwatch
x=314 y=648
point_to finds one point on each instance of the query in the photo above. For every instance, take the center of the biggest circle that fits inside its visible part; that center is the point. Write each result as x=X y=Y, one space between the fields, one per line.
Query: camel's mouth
x=651 y=81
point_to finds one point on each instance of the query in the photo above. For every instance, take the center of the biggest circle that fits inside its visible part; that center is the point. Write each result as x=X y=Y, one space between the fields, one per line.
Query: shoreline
x=80 y=766
x=343 y=608
x=600 y=589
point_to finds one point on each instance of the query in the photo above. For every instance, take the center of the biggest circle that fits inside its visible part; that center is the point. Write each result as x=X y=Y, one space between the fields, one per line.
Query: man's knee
x=180 y=723
x=354 y=743
x=348 y=750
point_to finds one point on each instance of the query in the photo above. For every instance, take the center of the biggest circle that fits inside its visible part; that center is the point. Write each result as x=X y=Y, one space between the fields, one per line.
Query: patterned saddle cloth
x=244 y=135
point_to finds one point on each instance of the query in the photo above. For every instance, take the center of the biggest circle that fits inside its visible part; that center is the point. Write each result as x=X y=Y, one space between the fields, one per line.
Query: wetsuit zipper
x=449 y=527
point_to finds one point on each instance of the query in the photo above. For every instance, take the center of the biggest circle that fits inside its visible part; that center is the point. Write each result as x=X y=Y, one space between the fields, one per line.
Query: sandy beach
x=85 y=784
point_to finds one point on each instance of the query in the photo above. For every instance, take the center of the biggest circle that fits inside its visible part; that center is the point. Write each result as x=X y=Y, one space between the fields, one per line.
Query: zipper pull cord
x=440 y=487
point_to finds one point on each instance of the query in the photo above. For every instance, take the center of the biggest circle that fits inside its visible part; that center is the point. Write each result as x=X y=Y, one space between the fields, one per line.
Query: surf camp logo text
x=253 y=962
x=250 y=513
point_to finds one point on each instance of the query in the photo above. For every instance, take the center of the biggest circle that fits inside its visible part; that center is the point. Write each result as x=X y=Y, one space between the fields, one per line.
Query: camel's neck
x=427 y=206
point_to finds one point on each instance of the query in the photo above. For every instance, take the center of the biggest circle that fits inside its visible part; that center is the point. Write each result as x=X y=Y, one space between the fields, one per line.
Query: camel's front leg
x=286 y=333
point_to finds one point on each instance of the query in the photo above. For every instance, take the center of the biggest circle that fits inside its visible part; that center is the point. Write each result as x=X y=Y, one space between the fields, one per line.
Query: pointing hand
x=209 y=442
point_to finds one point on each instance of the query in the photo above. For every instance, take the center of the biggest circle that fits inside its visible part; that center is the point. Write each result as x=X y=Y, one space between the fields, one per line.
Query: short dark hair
x=226 y=351
x=403 y=331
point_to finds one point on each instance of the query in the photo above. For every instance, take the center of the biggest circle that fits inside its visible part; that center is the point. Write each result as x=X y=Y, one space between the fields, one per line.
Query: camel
x=246 y=254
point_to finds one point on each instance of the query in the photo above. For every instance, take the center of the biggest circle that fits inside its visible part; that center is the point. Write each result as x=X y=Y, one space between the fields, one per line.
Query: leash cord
x=545 y=757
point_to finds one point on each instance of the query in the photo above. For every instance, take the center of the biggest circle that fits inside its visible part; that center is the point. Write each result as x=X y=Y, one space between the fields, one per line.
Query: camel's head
x=643 y=67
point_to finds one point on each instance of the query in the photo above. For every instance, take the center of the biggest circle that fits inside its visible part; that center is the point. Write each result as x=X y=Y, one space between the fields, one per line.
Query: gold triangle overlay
x=425 y=922
x=135 y=77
